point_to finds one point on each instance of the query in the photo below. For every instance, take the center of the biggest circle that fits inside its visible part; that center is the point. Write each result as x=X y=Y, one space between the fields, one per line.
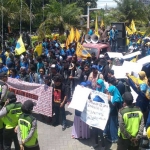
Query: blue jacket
x=141 y=100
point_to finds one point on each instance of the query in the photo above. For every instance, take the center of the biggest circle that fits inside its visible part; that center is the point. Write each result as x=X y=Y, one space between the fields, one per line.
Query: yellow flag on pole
x=77 y=35
x=81 y=52
x=96 y=26
x=71 y=35
x=20 y=48
x=38 y=49
x=129 y=31
x=132 y=26
x=70 y=38
x=102 y=24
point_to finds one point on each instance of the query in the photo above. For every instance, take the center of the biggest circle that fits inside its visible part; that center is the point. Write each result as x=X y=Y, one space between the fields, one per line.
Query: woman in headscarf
x=111 y=129
x=100 y=88
x=140 y=86
x=80 y=129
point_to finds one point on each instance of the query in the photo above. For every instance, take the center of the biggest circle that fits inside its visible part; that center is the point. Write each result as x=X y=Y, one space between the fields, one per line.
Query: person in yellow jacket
x=27 y=128
x=10 y=114
x=131 y=125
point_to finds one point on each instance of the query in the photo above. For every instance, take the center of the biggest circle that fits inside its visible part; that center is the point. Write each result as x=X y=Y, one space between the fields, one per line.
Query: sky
x=102 y=3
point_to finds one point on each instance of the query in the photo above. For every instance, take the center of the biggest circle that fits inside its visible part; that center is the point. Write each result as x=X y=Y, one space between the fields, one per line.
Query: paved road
x=53 y=138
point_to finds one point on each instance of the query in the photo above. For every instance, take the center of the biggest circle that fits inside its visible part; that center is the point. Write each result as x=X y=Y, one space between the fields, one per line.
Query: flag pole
x=2 y=13
x=21 y=17
x=30 y=16
x=43 y=16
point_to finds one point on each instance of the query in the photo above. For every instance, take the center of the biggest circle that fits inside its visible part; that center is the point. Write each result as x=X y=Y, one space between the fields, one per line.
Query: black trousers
x=125 y=144
x=99 y=132
x=1 y=139
x=32 y=148
x=60 y=111
x=10 y=136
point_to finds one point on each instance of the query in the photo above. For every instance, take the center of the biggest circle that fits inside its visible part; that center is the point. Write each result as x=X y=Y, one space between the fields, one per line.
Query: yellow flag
x=132 y=26
x=38 y=49
x=81 y=52
x=102 y=24
x=77 y=35
x=96 y=26
x=127 y=41
x=71 y=35
x=67 y=42
x=20 y=48
x=129 y=31
x=70 y=38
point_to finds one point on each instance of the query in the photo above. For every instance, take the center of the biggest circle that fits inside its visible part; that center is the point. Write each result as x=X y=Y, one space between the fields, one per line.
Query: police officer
x=131 y=125
x=27 y=128
x=3 y=88
x=3 y=96
x=10 y=114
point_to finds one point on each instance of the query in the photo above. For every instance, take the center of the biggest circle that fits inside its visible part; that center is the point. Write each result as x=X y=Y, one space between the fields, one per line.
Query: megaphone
x=87 y=38
x=94 y=39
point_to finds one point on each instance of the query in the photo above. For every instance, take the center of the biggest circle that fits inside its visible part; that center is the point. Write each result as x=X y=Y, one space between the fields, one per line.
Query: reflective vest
x=132 y=117
x=13 y=112
x=25 y=125
x=1 y=123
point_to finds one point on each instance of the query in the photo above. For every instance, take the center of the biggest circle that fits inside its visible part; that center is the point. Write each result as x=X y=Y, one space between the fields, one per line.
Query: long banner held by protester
x=41 y=94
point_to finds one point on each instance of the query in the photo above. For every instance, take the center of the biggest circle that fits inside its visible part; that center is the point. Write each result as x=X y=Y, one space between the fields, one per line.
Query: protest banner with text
x=39 y=93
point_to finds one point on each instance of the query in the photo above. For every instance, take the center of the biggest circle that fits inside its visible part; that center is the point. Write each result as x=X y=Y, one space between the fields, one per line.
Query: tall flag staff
x=21 y=17
x=2 y=13
x=43 y=15
x=30 y=16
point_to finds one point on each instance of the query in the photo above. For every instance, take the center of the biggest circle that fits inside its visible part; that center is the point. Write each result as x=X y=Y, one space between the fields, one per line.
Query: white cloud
x=102 y=3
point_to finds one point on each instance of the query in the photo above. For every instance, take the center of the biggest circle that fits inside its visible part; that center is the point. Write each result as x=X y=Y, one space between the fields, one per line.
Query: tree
x=61 y=16
x=131 y=9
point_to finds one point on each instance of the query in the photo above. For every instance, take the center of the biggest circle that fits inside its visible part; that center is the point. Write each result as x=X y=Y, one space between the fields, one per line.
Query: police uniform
x=27 y=128
x=131 y=125
x=10 y=114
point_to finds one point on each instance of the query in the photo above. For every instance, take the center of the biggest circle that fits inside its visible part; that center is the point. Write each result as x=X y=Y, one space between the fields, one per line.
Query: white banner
x=96 y=114
x=80 y=97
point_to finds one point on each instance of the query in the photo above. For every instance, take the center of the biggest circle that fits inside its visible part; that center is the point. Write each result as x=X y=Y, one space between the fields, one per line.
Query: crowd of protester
x=60 y=68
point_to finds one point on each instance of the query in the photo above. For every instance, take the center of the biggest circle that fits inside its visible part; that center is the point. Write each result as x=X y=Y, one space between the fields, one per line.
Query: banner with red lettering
x=39 y=93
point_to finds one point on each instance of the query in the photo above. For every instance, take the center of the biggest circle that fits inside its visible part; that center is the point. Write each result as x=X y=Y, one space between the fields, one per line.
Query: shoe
x=63 y=127
x=95 y=146
x=55 y=124
x=102 y=148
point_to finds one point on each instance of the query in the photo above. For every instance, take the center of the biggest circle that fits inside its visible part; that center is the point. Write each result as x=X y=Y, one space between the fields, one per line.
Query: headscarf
x=143 y=76
x=101 y=83
x=115 y=93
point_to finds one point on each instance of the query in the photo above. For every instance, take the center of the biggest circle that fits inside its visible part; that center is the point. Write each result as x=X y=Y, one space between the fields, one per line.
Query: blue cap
x=98 y=99
x=94 y=67
x=89 y=83
x=83 y=84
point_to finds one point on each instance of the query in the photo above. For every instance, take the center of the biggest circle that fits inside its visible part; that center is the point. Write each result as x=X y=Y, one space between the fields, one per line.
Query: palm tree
x=11 y=10
x=61 y=16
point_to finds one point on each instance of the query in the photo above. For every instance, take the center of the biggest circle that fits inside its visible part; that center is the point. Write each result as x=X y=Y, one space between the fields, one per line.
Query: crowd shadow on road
x=90 y=142
x=50 y=120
